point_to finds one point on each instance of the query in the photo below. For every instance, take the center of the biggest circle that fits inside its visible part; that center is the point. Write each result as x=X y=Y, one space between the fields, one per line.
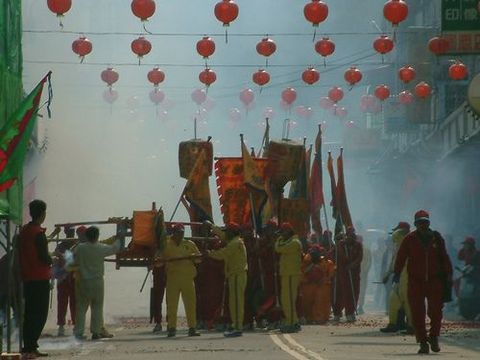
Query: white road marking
x=302 y=348
x=285 y=348
x=295 y=349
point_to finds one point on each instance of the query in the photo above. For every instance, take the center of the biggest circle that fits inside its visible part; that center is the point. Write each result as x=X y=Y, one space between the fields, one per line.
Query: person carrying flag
x=289 y=247
x=180 y=279
x=349 y=258
x=235 y=257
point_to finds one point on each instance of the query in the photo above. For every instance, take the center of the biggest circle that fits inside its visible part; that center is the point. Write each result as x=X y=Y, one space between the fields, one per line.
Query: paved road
x=134 y=340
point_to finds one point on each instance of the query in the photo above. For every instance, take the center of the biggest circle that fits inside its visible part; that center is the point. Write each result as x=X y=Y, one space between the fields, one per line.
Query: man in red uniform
x=349 y=258
x=65 y=282
x=35 y=264
x=269 y=310
x=429 y=269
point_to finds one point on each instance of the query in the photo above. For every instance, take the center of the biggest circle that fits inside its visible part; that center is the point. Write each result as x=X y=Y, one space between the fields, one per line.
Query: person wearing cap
x=398 y=299
x=429 y=272
x=254 y=284
x=180 y=256
x=89 y=258
x=315 y=285
x=268 y=311
x=469 y=253
x=471 y=256
x=349 y=255
x=234 y=256
x=65 y=281
x=289 y=247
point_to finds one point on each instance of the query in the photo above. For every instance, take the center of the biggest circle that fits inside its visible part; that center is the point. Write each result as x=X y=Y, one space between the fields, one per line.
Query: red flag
x=333 y=186
x=317 y=199
x=342 y=194
x=197 y=190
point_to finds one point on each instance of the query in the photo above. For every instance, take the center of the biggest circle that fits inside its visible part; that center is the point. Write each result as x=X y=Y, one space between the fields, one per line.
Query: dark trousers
x=418 y=292
x=36 y=295
x=159 y=284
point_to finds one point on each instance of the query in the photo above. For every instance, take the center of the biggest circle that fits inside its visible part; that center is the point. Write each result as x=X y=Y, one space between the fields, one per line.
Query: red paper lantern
x=367 y=101
x=141 y=47
x=289 y=95
x=423 y=90
x=382 y=92
x=407 y=74
x=310 y=76
x=261 y=77
x=458 y=71
x=325 y=47
x=206 y=47
x=340 y=112
x=405 y=97
x=143 y=9
x=199 y=96
x=316 y=12
x=207 y=77
x=157 y=96
x=353 y=75
x=59 y=7
x=266 y=47
x=110 y=76
x=326 y=103
x=395 y=11
x=383 y=44
x=226 y=11
x=246 y=96
x=438 y=45
x=82 y=47
x=156 y=76
x=335 y=94
x=110 y=96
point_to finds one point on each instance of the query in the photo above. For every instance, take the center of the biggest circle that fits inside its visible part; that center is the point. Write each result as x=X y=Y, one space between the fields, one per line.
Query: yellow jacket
x=181 y=268
x=234 y=255
x=290 y=251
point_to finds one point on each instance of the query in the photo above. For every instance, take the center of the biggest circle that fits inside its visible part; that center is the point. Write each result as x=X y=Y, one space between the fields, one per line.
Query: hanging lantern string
x=314 y=34
x=110 y=33
x=145 y=29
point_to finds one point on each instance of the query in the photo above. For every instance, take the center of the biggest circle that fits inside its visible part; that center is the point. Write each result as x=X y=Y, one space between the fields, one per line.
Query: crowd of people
x=240 y=280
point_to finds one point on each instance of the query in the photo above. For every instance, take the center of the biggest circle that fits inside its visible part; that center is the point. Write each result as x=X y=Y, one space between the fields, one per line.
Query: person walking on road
x=429 y=276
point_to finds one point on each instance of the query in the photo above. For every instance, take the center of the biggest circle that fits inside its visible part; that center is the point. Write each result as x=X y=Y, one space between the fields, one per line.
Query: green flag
x=15 y=135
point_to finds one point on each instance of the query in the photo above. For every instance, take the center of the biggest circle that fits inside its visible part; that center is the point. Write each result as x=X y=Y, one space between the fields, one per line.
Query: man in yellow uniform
x=180 y=256
x=398 y=299
x=235 y=257
x=289 y=247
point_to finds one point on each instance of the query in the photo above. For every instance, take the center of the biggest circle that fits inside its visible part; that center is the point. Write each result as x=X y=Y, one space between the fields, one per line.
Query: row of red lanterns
x=226 y=11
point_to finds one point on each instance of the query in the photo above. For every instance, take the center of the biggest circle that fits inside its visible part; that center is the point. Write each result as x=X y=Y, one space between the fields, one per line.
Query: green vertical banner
x=11 y=90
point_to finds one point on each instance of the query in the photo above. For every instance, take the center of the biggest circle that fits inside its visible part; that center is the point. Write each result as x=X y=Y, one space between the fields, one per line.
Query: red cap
x=81 y=230
x=403 y=225
x=178 y=227
x=422 y=215
x=272 y=223
x=469 y=240
x=233 y=227
x=286 y=226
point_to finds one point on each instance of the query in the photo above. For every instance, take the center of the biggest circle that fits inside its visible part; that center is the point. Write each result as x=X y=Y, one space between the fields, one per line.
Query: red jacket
x=33 y=252
x=425 y=263
x=349 y=257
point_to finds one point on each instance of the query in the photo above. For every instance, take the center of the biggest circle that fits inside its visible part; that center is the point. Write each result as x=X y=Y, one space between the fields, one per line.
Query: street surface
x=363 y=340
